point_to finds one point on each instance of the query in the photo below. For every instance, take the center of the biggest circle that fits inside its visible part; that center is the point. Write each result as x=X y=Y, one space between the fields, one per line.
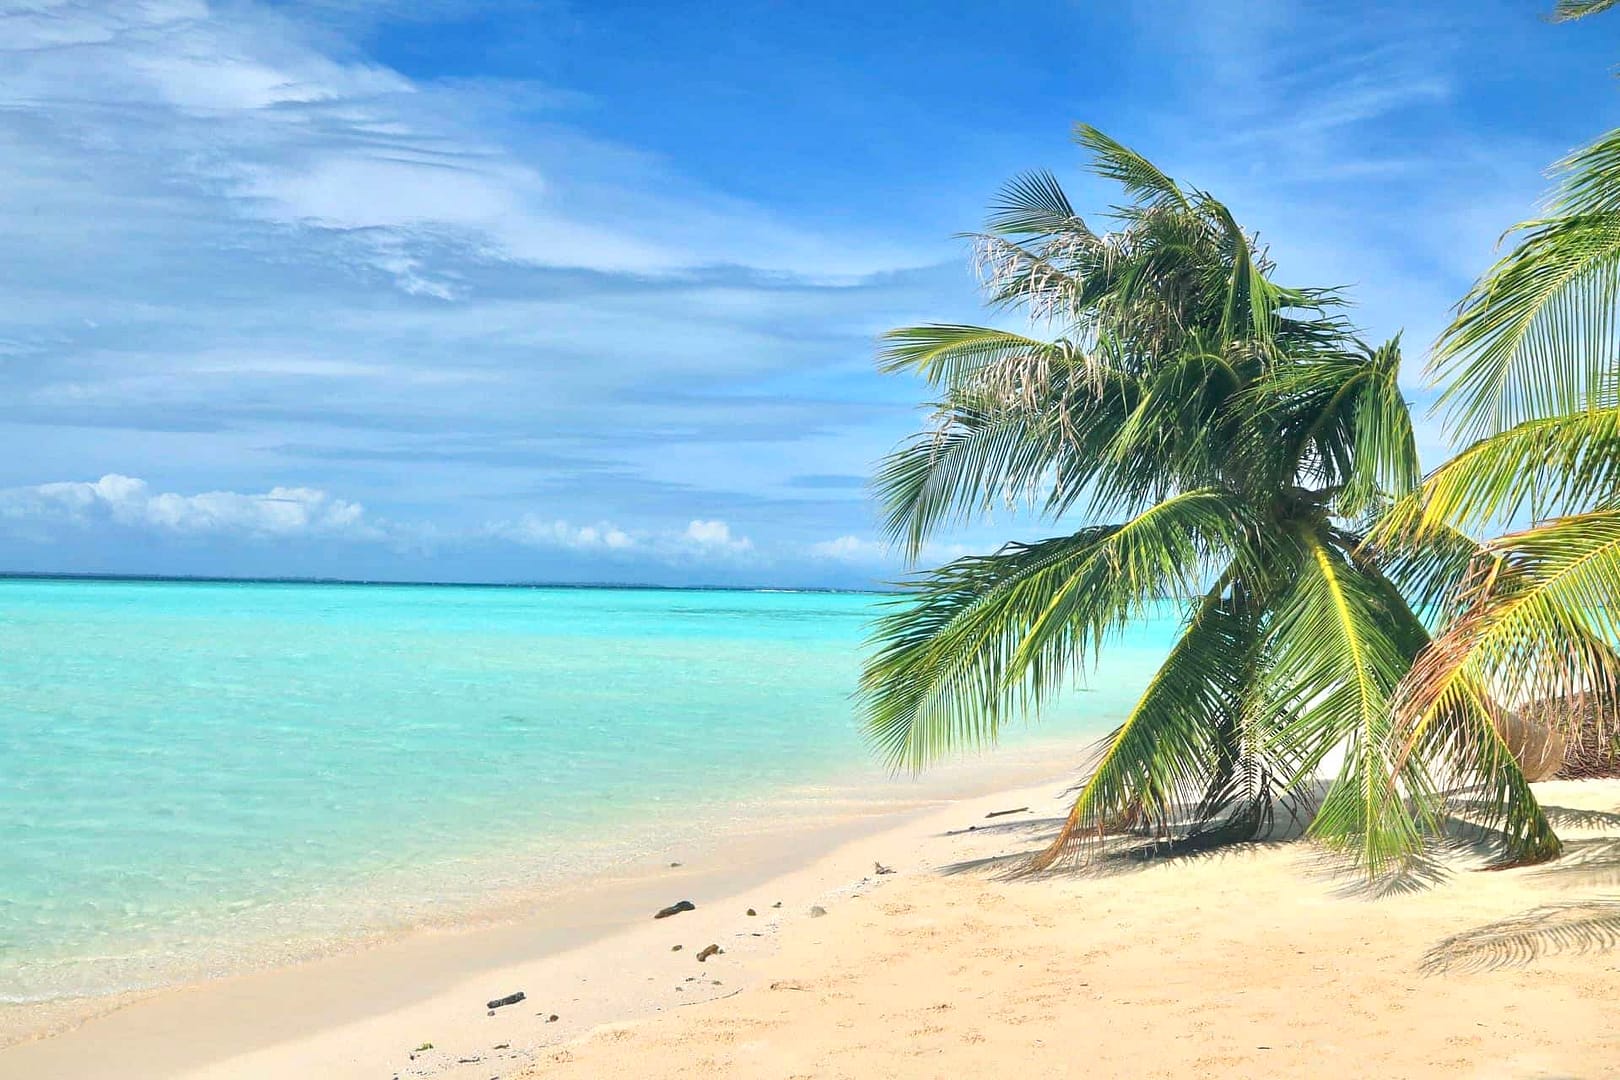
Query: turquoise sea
x=196 y=772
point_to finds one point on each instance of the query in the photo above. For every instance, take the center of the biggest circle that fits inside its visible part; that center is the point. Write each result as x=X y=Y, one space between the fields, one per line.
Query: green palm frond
x=1141 y=179
x=1383 y=452
x=1340 y=646
x=1343 y=423
x=1034 y=205
x=1537 y=335
x=1036 y=438
x=1466 y=745
x=1429 y=566
x=986 y=636
x=1536 y=625
x=1162 y=761
x=952 y=355
x=1570 y=10
x=1555 y=464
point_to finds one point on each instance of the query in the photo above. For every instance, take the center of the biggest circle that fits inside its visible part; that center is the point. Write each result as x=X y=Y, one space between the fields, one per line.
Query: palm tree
x=1241 y=437
x=1533 y=379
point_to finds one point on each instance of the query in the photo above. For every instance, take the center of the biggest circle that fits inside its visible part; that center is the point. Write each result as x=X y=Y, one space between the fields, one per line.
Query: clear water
x=191 y=773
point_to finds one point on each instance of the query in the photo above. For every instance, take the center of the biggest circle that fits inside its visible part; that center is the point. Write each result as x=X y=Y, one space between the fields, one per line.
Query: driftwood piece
x=1004 y=813
x=708 y=951
x=509 y=999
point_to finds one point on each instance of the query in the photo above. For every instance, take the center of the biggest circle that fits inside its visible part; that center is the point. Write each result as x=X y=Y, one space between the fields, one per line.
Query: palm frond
x=1537 y=335
x=1537 y=624
x=1034 y=205
x=1428 y=567
x=1165 y=759
x=1570 y=10
x=1555 y=464
x=947 y=355
x=1140 y=178
x=988 y=636
x=1340 y=645
x=1475 y=769
x=1343 y=422
x=1020 y=438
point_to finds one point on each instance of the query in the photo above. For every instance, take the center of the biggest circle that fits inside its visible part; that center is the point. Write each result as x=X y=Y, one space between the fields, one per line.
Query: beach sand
x=1260 y=961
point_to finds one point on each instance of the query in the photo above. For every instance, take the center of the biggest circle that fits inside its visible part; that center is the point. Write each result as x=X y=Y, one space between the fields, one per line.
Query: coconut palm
x=1530 y=365
x=1239 y=436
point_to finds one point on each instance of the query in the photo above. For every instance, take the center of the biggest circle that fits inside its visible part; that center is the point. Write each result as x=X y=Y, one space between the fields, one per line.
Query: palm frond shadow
x=1118 y=855
x=1561 y=817
x=1421 y=872
x=1585 y=862
x=1579 y=927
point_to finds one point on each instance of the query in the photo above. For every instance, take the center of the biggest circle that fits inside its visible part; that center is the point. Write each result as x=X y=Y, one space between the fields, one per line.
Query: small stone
x=490 y=1013
x=552 y=1019
x=751 y=911
x=675 y=909
x=708 y=951
x=675 y=948
x=777 y=904
x=673 y=865
x=817 y=911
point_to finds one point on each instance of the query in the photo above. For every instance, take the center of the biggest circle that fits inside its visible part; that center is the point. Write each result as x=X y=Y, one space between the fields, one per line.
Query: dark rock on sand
x=676 y=908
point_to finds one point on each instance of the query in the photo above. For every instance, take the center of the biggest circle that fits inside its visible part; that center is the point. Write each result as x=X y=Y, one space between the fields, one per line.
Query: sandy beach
x=1260 y=961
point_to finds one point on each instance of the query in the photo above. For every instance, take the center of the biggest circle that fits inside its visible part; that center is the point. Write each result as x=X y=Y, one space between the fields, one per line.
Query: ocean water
x=192 y=773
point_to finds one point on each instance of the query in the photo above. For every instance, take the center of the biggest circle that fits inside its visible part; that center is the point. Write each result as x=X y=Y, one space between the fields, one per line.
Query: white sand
x=1258 y=962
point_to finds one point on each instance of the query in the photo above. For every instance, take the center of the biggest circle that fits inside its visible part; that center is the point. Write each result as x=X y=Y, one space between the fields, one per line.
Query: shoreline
x=1255 y=960
x=188 y=1028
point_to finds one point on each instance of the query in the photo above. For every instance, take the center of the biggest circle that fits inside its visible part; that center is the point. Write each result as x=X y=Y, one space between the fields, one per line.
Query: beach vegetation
x=1531 y=381
x=1186 y=425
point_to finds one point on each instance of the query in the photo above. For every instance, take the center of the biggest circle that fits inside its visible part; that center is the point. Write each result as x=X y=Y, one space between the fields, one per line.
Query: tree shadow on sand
x=1464 y=845
x=1110 y=856
x=1570 y=927
x=1577 y=926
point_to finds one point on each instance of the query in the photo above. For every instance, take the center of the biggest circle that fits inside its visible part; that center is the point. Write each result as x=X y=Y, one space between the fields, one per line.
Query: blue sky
x=491 y=290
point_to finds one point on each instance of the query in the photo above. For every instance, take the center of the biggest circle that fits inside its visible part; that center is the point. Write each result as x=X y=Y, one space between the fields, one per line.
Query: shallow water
x=194 y=774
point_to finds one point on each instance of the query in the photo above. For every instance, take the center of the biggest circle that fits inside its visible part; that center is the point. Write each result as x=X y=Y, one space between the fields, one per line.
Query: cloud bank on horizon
x=494 y=290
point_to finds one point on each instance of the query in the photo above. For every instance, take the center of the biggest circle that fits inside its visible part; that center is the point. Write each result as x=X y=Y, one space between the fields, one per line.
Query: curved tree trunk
x=1537 y=741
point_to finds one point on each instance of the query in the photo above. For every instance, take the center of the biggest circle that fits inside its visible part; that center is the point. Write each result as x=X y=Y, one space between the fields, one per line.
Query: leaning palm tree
x=1240 y=437
x=1531 y=365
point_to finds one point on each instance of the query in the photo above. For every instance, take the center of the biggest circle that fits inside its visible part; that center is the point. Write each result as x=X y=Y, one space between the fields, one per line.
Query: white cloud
x=715 y=536
x=130 y=502
x=538 y=532
x=851 y=549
